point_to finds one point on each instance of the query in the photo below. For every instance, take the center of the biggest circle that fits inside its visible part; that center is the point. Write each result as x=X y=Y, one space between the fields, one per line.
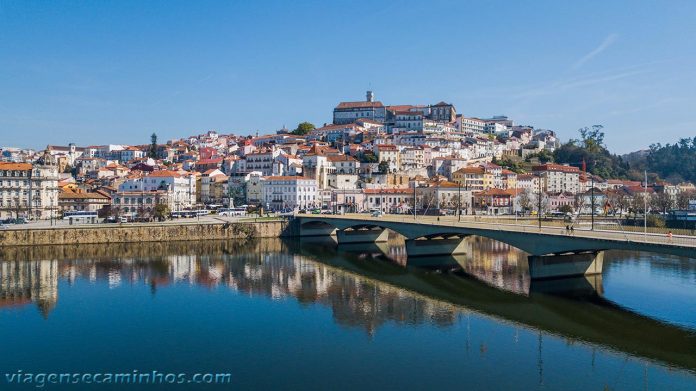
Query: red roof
x=498 y=192
x=286 y=178
x=388 y=191
x=358 y=105
x=556 y=167
x=341 y=158
x=15 y=166
x=210 y=161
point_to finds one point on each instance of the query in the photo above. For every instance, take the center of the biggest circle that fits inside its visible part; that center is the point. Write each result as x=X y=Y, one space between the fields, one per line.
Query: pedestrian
x=567 y=229
x=669 y=236
x=572 y=230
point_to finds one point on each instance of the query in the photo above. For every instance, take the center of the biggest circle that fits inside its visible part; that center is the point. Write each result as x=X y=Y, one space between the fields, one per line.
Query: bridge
x=553 y=251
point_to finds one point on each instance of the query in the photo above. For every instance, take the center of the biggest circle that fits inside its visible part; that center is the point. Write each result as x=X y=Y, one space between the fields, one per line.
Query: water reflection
x=365 y=286
x=24 y=282
x=261 y=268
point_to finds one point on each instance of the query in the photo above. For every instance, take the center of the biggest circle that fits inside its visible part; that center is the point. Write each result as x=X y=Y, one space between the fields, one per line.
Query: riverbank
x=145 y=232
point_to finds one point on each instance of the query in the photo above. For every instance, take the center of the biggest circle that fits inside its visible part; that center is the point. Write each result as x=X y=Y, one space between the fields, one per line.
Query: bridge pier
x=362 y=235
x=565 y=265
x=435 y=246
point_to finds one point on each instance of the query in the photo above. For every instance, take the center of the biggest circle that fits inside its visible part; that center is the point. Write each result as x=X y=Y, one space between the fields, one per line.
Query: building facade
x=28 y=190
x=289 y=192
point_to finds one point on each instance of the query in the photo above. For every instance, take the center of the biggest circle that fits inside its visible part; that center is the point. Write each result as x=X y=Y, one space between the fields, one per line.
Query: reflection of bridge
x=585 y=316
x=553 y=251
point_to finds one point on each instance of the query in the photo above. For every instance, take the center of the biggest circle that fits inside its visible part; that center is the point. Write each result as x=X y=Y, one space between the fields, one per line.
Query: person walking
x=669 y=236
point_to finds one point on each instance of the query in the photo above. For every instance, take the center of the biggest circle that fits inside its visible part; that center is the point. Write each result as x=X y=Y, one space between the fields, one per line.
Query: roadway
x=526 y=226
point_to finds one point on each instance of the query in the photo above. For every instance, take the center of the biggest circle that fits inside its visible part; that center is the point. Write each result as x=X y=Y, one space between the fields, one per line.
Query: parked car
x=376 y=213
x=20 y=220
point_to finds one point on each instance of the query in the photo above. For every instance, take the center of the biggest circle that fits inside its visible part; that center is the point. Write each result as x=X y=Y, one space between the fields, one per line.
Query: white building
x=28 y=190
x=470 y=125
x=289 y=192
x=130 y=153
x=349 y=112
x=559 y=178
x=180 y=186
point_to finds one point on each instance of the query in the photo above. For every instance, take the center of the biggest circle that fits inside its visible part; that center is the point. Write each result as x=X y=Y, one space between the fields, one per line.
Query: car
x=376 y=213
x=316 y=211
x=19 y=220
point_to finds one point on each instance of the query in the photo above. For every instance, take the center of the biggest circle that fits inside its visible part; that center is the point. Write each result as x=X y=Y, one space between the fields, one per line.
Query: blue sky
x=114 y=72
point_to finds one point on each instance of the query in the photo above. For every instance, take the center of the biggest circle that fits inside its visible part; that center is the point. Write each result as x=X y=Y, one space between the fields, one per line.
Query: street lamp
x=592 y=203
x=539 y=202
x=459 y=201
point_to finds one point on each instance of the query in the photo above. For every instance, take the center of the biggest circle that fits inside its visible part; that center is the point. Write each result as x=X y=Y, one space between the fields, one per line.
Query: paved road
x=525 y=226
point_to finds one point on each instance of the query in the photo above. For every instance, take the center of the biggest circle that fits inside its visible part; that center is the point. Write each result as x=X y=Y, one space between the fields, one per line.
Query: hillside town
x=400 y=159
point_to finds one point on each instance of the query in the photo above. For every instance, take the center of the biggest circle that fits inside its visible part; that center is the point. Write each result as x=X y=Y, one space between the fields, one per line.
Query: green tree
x=303 y=128
x=152 y=152
x=590 y=149
x=565 y=209
x=383 y=167
x=543 y=156
x=367 y=157
x=674 y=162
x=161 y=211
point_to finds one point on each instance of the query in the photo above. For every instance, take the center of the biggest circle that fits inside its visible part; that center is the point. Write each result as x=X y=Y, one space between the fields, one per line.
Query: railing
x=557 y=228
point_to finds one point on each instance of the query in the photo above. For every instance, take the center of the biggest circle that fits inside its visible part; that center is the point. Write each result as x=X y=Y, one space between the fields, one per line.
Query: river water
x=314 y=315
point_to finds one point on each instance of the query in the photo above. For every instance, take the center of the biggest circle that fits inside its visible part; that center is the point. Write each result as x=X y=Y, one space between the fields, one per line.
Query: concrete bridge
x=553 y=252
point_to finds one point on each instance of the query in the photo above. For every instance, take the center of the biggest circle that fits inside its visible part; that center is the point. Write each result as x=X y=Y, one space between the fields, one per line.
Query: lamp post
x=459 y=201
x=414 y=199
x=539 y=202
x=592 y=203
x=645 y=208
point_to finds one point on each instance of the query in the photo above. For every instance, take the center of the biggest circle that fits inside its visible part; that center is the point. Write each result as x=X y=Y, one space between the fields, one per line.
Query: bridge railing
x=508 y=223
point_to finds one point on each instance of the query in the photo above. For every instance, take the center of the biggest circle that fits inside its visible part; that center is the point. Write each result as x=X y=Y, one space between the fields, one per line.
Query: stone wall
x=133 y=233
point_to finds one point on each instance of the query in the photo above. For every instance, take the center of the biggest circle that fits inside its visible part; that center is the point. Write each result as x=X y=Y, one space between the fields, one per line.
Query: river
x=313 y=315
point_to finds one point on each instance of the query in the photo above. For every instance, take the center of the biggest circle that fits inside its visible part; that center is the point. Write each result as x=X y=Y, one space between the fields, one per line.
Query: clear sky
x=96 y=72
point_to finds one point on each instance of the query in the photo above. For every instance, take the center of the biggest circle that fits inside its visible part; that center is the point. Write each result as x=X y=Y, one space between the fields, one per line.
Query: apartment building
x=289 y=192
x=558 y=178
x=28 y=190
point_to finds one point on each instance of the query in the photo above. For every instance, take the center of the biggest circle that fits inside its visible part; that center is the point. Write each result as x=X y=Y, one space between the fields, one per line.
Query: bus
x=189 y=213
x=232 y=212
x=80 y=216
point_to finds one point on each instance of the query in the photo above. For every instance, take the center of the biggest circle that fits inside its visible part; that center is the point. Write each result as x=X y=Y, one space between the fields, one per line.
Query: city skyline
x=95 y=74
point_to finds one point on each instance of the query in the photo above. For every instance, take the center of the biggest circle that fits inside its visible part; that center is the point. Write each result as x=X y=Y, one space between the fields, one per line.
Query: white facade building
x=28 y=190
x=289 y=192
x=180 y=186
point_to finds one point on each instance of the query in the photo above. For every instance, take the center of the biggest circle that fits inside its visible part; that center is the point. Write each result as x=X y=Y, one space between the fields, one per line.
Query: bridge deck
x=678 y=244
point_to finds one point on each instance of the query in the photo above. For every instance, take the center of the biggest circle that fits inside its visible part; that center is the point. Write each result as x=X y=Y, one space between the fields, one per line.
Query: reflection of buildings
x=23 y=282
x=264 y=269
x=490 y=261
x=497 y=264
